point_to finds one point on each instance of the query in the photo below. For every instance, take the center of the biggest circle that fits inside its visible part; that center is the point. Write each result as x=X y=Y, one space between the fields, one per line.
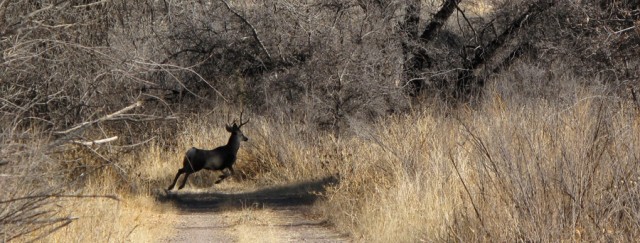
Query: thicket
x=83 y=83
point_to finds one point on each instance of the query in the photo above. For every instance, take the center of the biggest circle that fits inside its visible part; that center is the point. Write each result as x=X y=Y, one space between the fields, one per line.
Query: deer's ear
x=229 y=129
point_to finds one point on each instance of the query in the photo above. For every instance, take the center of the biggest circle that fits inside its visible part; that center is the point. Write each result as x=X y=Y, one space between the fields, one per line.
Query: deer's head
x=235 y=131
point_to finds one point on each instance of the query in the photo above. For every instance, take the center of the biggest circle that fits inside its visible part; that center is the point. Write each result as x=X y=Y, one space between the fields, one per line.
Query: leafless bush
x=315 y=57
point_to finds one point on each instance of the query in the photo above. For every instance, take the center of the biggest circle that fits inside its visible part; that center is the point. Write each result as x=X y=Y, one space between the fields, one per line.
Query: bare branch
x=168 y=67
x=253 y=29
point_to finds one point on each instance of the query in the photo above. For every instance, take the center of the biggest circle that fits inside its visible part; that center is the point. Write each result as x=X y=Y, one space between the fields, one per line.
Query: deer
x=217 y=159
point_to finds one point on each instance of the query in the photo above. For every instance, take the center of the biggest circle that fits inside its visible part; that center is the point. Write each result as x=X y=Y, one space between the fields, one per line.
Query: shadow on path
x=278 y=197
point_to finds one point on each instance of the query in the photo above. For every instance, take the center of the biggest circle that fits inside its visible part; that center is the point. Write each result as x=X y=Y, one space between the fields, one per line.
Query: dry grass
x=546 y=172
x=255 y=225
x=135 y=219
x=545 y=161
x=39 y=199
x=513 y=168
x=516 y=168
x=131 y=218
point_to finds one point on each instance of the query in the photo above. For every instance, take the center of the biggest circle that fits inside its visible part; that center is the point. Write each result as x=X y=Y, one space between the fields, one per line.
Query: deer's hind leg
x=185 y=180
x=180 y=171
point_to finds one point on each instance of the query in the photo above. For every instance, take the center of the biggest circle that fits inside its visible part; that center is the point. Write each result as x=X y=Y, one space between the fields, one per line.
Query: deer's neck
x=234 y=143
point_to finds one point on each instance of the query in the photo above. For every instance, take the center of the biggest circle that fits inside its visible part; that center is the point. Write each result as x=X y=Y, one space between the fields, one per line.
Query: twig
x=113 y=197
x=624 y=30
x=91 y=4
x=466 y=189
x=3 y=11
x=467 y=20
x=131 y=231
x=253 y=29
x=635 y=98
x=169 y=67
x=65 y=222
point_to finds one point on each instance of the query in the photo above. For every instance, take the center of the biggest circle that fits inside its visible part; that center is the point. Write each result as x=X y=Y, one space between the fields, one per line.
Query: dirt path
x=228 y=214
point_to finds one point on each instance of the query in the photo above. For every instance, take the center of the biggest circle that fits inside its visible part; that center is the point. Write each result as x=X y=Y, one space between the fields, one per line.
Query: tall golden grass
x=508 y=170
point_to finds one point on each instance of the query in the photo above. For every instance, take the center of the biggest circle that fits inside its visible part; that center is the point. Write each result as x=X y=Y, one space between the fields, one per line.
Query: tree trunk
x=416 y=55
x=467 y=82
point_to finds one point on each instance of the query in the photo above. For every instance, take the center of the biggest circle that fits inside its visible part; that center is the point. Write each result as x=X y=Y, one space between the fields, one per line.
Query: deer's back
x=216 y=159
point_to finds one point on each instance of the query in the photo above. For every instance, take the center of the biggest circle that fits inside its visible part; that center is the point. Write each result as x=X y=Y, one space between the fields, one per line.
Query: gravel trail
x=236 y=214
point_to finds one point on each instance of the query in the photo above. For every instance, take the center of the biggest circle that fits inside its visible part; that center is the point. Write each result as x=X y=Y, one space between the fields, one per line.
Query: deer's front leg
x=224 y=175
x=231 y=172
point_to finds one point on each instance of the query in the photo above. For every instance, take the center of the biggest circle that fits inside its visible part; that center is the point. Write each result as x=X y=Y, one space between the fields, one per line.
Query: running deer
x=219 y=158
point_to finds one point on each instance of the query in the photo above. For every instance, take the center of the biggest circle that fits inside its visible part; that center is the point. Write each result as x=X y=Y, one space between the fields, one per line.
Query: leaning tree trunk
x=415 y=54
x=468 y=83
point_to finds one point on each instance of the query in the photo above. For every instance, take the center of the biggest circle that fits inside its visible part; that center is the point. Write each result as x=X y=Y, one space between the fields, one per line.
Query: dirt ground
x=233 y=213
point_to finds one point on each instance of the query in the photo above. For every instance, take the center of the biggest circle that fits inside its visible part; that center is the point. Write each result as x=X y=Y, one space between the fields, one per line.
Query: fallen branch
x=107 y=117
x=69 y=134
x=99 y=141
